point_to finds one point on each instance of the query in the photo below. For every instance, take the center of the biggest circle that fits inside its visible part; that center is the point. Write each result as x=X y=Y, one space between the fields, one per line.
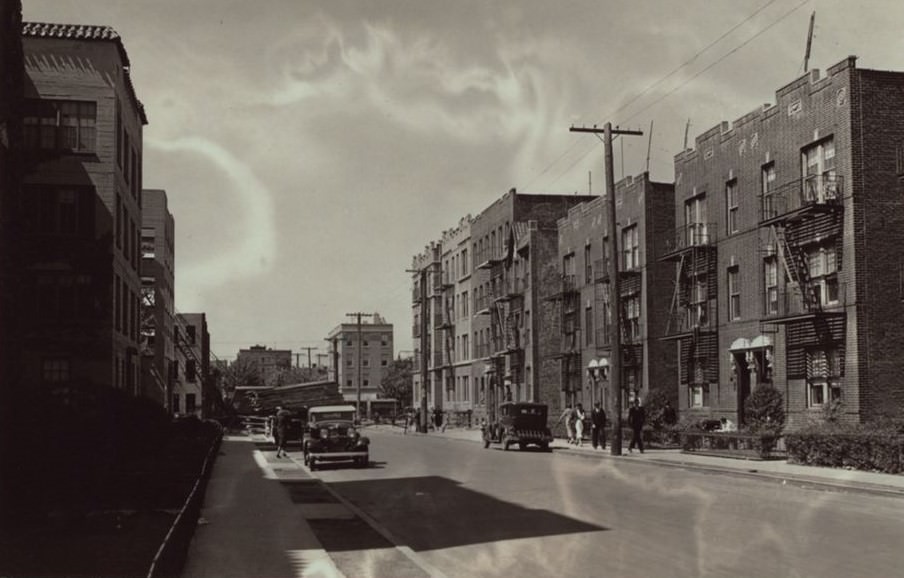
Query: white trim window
x=630 y=248
x=771 y=284
x=822 y=265
x=731 y=206
x=734 y=293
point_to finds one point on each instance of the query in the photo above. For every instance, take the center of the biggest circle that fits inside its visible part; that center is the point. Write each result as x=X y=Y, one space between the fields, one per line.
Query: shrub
x=655 y=406
x=870 y=447
x=764 y=411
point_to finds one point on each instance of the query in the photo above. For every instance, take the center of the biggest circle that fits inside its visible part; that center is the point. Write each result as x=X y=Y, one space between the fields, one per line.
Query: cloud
x=254 y=251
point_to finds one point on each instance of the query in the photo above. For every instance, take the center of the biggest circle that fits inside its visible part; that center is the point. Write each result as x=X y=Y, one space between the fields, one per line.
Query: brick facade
x=803 y=217
x=645 y=286
x=83 y=135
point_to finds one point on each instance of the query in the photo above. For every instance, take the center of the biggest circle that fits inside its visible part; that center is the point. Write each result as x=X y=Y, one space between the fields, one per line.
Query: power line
x=695 y=76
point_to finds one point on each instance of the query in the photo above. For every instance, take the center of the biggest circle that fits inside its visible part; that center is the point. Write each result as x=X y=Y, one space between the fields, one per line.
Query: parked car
x=331 y=436
x=519 y=423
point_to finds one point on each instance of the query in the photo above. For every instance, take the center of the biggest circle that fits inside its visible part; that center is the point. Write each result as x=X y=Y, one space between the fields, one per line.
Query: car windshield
x=332 y=415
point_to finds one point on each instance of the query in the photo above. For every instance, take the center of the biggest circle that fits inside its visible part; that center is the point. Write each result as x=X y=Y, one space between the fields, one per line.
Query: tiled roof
x=74 y=31
x=87 y=32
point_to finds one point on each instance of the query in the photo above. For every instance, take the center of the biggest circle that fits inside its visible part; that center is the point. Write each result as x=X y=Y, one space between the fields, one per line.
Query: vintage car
x=331 y=436
x=519 y=423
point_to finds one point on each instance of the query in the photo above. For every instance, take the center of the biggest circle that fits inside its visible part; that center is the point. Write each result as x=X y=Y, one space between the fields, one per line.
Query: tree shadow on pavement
x=433 y=512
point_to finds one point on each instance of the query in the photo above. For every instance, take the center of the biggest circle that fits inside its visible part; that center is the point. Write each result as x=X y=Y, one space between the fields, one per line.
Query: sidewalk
x=778 y=470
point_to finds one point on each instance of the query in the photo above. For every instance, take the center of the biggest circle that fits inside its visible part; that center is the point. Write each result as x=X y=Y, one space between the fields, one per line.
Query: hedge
x=858 y=448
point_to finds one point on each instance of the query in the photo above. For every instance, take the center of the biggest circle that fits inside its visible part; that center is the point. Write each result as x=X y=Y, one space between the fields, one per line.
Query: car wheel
x=505 y=445
x=312 y=464
x=364 y=462
x=544 y=446
x=522 y=446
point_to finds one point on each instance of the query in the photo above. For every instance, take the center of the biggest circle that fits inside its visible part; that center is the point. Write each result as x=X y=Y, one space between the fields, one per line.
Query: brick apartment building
x=510 y=271
x=158 y=254
x=448 y=328
x=790 y=251
x=82 y=129
x=361 y=357
x=645 y=213
x=12 y=72
x=192 y=389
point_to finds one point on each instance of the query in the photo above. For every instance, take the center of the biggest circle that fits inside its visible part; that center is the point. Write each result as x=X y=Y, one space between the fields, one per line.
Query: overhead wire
x=657 y=83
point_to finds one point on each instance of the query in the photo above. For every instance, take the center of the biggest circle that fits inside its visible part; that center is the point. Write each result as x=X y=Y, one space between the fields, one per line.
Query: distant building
x=790 y=252
x=488 y=284
x=82 y=130
x=373 y=348
x=158 y=352
x=192 y=394
x=269 y=362
x=646 y=214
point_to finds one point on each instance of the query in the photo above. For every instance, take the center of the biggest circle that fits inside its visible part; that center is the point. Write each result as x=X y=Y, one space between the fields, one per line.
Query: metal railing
x=812 y=191
x=687 y=236
x=693 y=316
x=790 y=301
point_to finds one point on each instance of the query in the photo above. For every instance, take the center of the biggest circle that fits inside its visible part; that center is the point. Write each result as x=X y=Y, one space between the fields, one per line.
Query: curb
x=802 y=481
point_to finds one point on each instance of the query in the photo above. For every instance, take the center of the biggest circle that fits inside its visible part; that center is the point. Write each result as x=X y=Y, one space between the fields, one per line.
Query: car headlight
x=352 y=432
x=324 y=433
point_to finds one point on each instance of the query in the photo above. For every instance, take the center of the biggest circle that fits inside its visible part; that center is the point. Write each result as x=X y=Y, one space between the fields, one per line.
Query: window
x=818 y=172
x=824 y=370
x=464 y=304
x=384 y=362
x=698 y=395
x=60 y=125
x=734 y=294
x=465 y=347
x=697 y=309
x=588 y=266
x=568 y=266
x=190 y=334
x=695 y=221
x=365 y=344
x=117 y=297
x=822 y=264
x=731 y=204
x=366 y=382
x=630 y=249
x=588 y=320
x=118 y=217
x=175 y=403
x=148 y=246
x=190 y=404
x=771 y=283
x=365 y=362
x=632 y=318
x=464 y=262
x=56 y=370
x=767 y=181
x=348 y=382
x=348 y=362
x=190 y=371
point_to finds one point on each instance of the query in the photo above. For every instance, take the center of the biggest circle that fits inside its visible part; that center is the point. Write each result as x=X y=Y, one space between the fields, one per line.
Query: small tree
x=655 y=404
x=764 y=410
x=398 y=381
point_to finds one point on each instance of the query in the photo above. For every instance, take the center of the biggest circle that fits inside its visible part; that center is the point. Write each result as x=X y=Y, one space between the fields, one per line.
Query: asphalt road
x=470 y=511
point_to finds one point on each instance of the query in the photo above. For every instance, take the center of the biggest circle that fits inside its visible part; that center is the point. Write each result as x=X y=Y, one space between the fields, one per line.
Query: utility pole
x=308 y=349
x=358 y=384
x=615 y=361
x=809 y=42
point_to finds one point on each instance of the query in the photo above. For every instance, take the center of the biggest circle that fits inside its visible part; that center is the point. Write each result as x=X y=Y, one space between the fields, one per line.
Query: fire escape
x=804 y=221
x=508 y=308
x=629 y=288
x=693 y=314
x=569 y=299
x=186 y=347
x=444 y=329
x=149 y=336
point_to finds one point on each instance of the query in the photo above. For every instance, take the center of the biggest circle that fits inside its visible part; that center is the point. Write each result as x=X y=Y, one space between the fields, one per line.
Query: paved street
x=475 y=512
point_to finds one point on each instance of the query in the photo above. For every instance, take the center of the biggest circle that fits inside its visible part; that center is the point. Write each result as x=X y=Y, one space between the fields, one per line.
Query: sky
x=310 y=148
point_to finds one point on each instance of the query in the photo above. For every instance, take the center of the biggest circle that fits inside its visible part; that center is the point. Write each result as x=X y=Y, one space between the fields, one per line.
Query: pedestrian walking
x=668 y=414
x=598 y=426
x=579 y=417
x=637 y=416
x=283 y=418
x=568 y=417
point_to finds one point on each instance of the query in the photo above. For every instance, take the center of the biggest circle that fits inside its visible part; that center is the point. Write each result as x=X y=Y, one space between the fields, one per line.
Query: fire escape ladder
x=797 y=269
x=181 y=343
x=676 y=301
